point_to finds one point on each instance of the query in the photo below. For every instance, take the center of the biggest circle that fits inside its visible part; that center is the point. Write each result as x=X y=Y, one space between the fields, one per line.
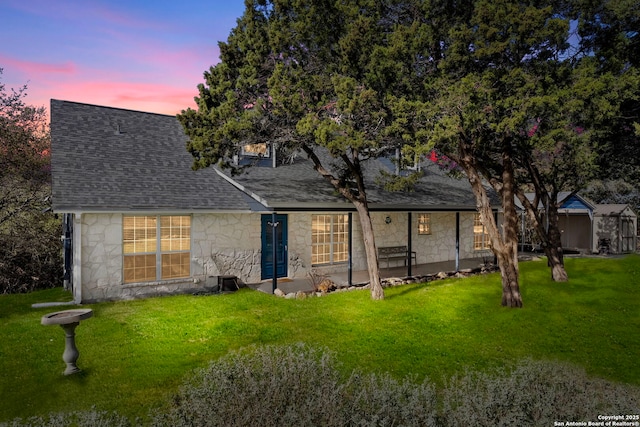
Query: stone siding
x=230 y=244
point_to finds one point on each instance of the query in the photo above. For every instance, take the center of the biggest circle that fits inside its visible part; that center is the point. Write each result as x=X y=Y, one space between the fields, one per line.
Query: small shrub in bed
x=532 y=394
x=293 y=386
x=267 y=386
x=91 y=418
x=381 y=400
x=299 y=385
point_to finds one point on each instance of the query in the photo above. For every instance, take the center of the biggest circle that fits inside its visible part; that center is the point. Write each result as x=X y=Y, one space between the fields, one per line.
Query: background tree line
x=30 y=247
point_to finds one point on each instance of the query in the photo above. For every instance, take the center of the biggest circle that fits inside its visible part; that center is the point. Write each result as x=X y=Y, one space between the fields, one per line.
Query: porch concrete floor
x=287 y=285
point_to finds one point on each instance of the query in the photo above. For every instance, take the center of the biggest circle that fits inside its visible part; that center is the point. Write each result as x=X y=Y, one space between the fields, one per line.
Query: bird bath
x=68 y=320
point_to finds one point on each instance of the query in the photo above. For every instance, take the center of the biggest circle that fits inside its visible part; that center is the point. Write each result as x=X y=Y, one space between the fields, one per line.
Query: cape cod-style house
x=139 y=221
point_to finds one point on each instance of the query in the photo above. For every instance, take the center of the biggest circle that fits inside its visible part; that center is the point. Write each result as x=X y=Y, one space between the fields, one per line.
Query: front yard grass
x=135 y=354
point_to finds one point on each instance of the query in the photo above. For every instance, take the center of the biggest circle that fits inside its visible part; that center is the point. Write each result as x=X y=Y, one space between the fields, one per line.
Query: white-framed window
x=480 y=236
x=329 y=239
x=156 y=247
x=424 y=223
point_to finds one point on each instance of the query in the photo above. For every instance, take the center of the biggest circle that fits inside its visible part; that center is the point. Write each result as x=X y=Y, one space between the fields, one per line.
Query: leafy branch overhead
x=519 y=96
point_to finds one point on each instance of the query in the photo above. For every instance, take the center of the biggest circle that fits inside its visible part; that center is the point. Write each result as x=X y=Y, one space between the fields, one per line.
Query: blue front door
x=267 y=246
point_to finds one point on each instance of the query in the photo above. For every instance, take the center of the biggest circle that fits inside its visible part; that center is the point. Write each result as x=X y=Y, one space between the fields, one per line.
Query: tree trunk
x=549 y=235
x=507 y=249
x=377 y=293
x=505 y=245
x=510 y=280
x=554 y=248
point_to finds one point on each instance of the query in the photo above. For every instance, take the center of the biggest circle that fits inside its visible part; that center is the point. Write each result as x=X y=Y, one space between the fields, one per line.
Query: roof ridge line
x=241 y=187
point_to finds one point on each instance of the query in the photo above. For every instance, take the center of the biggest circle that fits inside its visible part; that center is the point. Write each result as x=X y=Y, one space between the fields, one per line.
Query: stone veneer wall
x=230 y=244
x=101 y=268
x=221 y=244
x=226 y=244
x=438 y=246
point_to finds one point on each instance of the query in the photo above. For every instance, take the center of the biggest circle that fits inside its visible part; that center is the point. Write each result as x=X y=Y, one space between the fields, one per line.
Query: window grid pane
x=480 y=235
x=142 y=251
x=139 y=268
x=329 y=238
x=424 y=224
x=175 y=265
x=139 y=234
x=175 y=232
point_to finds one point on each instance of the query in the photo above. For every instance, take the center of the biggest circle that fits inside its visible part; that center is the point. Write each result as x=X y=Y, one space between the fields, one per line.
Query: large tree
x=29 y=237
x=484 y=98
x=520 y=102
x=316 y=77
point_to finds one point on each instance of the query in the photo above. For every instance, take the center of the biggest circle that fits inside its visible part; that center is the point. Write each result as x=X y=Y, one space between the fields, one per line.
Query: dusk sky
x=146 y=55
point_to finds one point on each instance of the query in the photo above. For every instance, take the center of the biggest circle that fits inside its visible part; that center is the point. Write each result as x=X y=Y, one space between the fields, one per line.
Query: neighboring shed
x=575 y=218
x=614 y=229
x=586 y=226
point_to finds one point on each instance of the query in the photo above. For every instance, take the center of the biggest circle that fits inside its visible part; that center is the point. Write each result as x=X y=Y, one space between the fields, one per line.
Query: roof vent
x=118 y=130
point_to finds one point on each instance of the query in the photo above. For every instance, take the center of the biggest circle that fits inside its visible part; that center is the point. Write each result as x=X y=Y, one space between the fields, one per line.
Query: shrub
x=91 y=418
x=374 y=400
x=268 y=386
x=30 y=253
x=299 y=385
x=533 y=393
x=293 y=386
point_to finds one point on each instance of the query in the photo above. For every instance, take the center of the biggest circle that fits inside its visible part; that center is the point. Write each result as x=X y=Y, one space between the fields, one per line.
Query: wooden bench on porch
x=392 y=253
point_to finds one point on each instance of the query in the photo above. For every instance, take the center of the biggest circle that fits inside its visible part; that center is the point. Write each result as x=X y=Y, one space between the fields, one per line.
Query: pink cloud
x=151 y=97
x=32 y=68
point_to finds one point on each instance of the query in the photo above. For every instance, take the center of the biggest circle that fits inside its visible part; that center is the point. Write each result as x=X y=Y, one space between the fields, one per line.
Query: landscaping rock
x=326 y=286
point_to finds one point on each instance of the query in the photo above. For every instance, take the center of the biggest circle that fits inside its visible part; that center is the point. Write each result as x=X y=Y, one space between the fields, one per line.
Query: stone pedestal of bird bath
x=68 y=320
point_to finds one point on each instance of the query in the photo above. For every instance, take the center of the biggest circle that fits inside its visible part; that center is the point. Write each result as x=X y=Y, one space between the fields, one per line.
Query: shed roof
x=566 y=201
x=613 y=210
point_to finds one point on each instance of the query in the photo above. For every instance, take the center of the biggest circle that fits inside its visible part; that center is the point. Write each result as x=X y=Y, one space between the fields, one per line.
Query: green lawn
x=135 y=354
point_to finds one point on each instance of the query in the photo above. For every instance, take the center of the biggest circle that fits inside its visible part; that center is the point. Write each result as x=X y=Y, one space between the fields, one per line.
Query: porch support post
x=274 y=251
x=409 y=244
x=523 y=231
x=457 y=241
x=350 y=250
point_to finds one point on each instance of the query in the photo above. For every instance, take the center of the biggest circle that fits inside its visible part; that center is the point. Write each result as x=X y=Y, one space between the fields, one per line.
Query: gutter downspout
x=67 y=251
x=77 y=258
x=457 y=241
x=591 y=240
x=350 y=250
x=409 y=220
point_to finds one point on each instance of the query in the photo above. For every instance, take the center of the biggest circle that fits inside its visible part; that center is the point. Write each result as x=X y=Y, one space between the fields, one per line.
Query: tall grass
x=135 y=354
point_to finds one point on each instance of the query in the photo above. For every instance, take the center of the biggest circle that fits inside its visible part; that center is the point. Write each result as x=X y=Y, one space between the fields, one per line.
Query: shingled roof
x=299 y=186
x=110 y=159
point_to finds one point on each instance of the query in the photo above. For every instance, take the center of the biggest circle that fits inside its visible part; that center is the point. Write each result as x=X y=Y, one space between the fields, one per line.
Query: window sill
x=158 y=282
